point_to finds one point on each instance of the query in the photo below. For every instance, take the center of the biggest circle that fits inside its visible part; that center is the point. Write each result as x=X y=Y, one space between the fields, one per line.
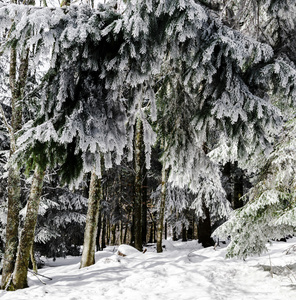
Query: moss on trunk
x=14 y=188
x=19 y=280
x=91 y=226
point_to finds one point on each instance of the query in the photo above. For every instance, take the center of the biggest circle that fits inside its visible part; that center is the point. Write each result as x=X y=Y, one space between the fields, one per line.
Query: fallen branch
x=37 y=274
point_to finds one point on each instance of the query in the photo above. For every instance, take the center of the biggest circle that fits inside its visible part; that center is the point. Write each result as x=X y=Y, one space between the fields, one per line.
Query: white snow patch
x=127 y=250
x=183 y=271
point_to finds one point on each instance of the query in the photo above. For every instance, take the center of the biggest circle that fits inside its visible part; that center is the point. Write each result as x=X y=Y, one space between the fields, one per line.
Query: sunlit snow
x=184 y=270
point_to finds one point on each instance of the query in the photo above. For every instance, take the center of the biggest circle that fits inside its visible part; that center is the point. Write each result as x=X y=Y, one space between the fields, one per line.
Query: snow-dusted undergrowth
x=182 y=271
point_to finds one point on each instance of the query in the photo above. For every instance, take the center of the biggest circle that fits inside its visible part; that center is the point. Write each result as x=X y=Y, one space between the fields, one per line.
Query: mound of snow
x=126 y=250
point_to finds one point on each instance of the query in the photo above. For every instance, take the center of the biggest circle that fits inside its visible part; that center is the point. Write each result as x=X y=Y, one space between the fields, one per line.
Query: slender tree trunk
x=14 y=188
x=184 y=233
x=99 y=231
x=161 y=211
x=113 y=234
x=150 y=233
x=27 y=235
x=144 y=209
x=175 y=235
x=138 y=186
x=193 y=225
x=126 y=228
x=125 y=234
x=132 y=237
x=121 y=232
x=91 y=226
x=108 y=235
x=104 y=233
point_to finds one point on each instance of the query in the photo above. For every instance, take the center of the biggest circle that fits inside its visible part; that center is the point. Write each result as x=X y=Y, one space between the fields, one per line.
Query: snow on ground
x=183 y=271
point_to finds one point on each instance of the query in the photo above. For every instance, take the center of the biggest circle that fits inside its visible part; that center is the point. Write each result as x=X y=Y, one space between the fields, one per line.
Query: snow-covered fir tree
x=200 y=52
x=269 y=214
x=209 y=88
x=206 y=98
x=61 y=219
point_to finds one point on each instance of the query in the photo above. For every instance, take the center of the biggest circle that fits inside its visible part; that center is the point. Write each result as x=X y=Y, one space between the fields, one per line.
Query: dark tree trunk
x=235 y=184
x=190 y=232
x=108 y=231
x=184 y=233
x=205 y=229
x=138 y=186
x=126 y=228
x=99 y=231
x=113 y=232
x=175 y=234
x=132 y=240
x=144 y=209
x=125 y=233
x=161 y=211
x=120 y=233
x=104 y=233
x=238 y=188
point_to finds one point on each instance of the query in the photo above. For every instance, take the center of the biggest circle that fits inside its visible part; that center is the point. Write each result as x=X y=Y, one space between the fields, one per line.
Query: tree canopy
x=214 y=81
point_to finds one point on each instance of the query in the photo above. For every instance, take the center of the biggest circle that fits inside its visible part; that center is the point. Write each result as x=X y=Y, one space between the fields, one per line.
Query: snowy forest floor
x=184 y=270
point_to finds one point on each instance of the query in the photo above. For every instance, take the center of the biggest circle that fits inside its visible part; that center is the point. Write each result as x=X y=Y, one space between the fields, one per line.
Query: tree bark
x=108 y=235
x=205 y=229
x=11 y=244
x=104 y=233
x=161 y=211
x=91 y=226
x=19 y=280
x=138 y=186
x=120 y=232
x=144 y=209
x=14 y=187
x=113 y=234
x=99 y=231
x=184 y=233
x=33 y=260
x=126 y=229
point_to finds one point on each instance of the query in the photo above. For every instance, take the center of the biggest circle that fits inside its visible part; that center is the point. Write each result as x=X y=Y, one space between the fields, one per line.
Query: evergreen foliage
x=208 y=61
x=216 y=82
x=269 y=214
x=74 y=103
x=61 y=220
x=270 y=211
